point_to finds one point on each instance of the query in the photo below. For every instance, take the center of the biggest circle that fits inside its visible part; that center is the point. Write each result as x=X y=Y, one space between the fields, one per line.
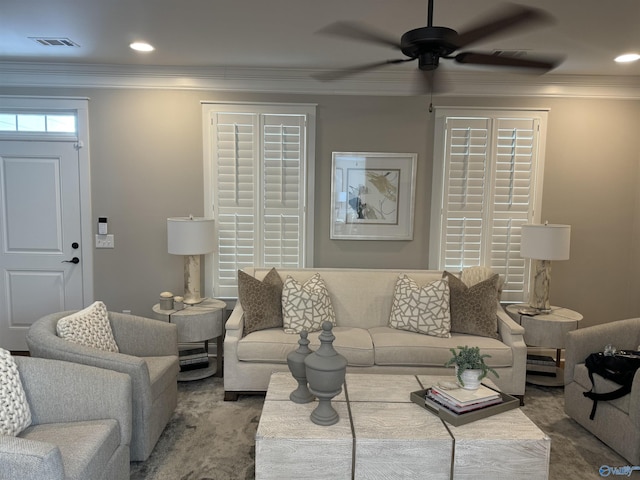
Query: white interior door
x=40 y=235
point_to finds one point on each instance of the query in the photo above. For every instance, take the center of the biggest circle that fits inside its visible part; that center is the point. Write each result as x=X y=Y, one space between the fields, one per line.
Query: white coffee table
x=382 y=434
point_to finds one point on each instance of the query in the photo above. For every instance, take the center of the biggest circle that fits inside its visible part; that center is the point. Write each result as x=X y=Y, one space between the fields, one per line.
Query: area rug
x=210 y=439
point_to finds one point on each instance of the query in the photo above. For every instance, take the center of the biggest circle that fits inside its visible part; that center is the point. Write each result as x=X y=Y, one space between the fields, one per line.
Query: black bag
x=619 y=368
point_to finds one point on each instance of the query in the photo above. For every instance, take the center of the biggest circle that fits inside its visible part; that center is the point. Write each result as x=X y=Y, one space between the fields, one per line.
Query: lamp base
x=540 y=295
x=192 y=280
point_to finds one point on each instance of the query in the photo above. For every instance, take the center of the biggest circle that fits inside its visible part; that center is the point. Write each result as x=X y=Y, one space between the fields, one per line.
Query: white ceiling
x=281 y=34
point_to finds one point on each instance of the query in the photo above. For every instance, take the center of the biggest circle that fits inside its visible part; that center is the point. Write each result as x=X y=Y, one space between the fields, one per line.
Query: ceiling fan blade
x=347 y=72
x=362 y=32
x=513 y=16
x=539 y=63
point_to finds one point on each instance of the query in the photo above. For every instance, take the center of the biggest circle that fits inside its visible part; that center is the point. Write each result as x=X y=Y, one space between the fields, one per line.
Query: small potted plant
x=470 y=366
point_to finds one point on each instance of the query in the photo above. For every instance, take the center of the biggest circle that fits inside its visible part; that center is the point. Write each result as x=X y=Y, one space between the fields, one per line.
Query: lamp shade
x=545 y=242
x=190 y=236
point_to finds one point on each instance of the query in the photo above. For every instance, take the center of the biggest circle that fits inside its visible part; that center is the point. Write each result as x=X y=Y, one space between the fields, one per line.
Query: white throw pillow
x=89 y=327
x=421 y=309
x=306 y=306
x=15 y=414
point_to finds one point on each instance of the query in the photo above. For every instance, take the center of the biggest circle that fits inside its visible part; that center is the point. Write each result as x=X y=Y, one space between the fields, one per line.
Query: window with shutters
x=258 y=186
x=487 y=183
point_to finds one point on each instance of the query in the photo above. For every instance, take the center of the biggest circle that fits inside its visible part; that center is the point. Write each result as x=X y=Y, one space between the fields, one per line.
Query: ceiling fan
x=429 y=44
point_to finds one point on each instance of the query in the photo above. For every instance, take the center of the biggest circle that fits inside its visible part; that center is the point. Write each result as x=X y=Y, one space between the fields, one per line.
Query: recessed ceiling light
x=142 y=47
x=628 y=57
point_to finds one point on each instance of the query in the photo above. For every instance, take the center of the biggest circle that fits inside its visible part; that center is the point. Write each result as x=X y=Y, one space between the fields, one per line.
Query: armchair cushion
x=78 y=441
x=89 y=327
x=24 y=458
x=15 y=414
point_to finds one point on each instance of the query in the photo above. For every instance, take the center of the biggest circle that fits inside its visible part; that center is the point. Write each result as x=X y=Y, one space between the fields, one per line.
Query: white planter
x=471 y=379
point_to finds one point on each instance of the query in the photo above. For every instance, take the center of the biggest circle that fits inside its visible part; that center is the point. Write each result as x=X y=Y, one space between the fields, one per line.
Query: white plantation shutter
x=464 y=210
x=283 y=190
x=258 y=190
x=485 y=169
x=235 y=154
x=513 y=200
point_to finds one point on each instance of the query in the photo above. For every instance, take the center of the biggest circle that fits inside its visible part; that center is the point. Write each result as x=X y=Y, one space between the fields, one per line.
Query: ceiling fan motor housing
x=428 y=44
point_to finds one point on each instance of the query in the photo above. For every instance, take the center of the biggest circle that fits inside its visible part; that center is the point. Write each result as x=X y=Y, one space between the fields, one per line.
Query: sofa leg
x=521 y=398
x=231 y=396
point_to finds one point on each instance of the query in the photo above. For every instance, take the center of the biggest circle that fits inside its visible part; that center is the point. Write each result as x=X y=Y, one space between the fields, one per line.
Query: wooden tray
x=455 y=419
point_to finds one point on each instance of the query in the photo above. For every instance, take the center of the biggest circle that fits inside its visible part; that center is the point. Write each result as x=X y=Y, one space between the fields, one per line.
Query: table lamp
x=191 y=237
x=544 y=243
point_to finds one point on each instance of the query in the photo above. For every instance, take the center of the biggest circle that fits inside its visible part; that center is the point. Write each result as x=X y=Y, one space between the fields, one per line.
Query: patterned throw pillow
x=260 y=300
x=472 y=275
x=474 y=309
x=89 y=327
x=421 y=309
x=15 y=414
x=306 y=306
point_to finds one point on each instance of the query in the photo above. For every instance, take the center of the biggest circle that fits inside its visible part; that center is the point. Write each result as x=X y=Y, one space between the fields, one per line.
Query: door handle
x=75 y=260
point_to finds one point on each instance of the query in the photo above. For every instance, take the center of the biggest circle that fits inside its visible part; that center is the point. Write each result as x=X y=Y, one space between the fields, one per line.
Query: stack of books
x=541 y=365
x=193 y=358
x=460 y=400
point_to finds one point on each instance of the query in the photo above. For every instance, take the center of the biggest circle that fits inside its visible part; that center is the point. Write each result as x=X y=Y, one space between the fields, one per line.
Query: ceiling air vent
x=54 y=42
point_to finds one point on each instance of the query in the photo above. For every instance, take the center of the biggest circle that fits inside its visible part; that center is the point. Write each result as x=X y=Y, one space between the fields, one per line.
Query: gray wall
x=146 y=163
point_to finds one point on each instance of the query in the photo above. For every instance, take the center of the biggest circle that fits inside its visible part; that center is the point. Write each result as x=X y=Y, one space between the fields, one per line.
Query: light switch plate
x=105 y=241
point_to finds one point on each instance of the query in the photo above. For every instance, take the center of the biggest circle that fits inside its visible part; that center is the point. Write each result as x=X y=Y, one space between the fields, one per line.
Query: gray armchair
x=148 y=354
x=616 y=422
x=80 y=424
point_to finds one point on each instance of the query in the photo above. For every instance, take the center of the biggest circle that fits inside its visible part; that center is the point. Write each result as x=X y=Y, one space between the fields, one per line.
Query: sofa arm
x=144 y=337
x=508 y=329
x=234 y=328
x=59 y=392
x=236 y=319
x=21 y=458
x=623 y=334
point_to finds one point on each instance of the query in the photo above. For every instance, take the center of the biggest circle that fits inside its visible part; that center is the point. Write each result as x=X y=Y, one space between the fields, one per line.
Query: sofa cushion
x=306 y=306
x=401 y=348
x=273 y=345
x=86 y=447
x=474 y=309
x=260 y=300
x=581 y=377
x=421 y=309
x=15 y=414
x=89 y=327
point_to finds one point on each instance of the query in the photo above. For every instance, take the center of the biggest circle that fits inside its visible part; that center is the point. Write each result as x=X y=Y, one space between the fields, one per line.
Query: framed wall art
x=372 y=195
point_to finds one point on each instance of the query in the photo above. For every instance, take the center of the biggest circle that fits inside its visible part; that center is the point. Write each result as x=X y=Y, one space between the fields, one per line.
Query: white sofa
x=362 y=301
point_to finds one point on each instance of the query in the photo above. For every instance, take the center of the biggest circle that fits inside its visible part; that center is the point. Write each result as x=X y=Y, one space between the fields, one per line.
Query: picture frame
x=372 y=195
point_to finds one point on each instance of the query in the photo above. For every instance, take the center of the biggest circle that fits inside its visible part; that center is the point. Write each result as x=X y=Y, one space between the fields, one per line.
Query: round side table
x=198 y=323
x=545 y=330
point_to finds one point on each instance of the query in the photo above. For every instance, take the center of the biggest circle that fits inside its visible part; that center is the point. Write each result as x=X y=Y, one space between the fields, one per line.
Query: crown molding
x=300 y=81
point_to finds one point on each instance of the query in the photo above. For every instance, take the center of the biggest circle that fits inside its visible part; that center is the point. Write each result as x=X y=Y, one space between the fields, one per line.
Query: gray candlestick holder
x=326 y=370
x=295 y=360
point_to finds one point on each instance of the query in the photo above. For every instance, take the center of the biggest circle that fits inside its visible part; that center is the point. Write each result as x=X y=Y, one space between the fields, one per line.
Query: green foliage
x=469 y=358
